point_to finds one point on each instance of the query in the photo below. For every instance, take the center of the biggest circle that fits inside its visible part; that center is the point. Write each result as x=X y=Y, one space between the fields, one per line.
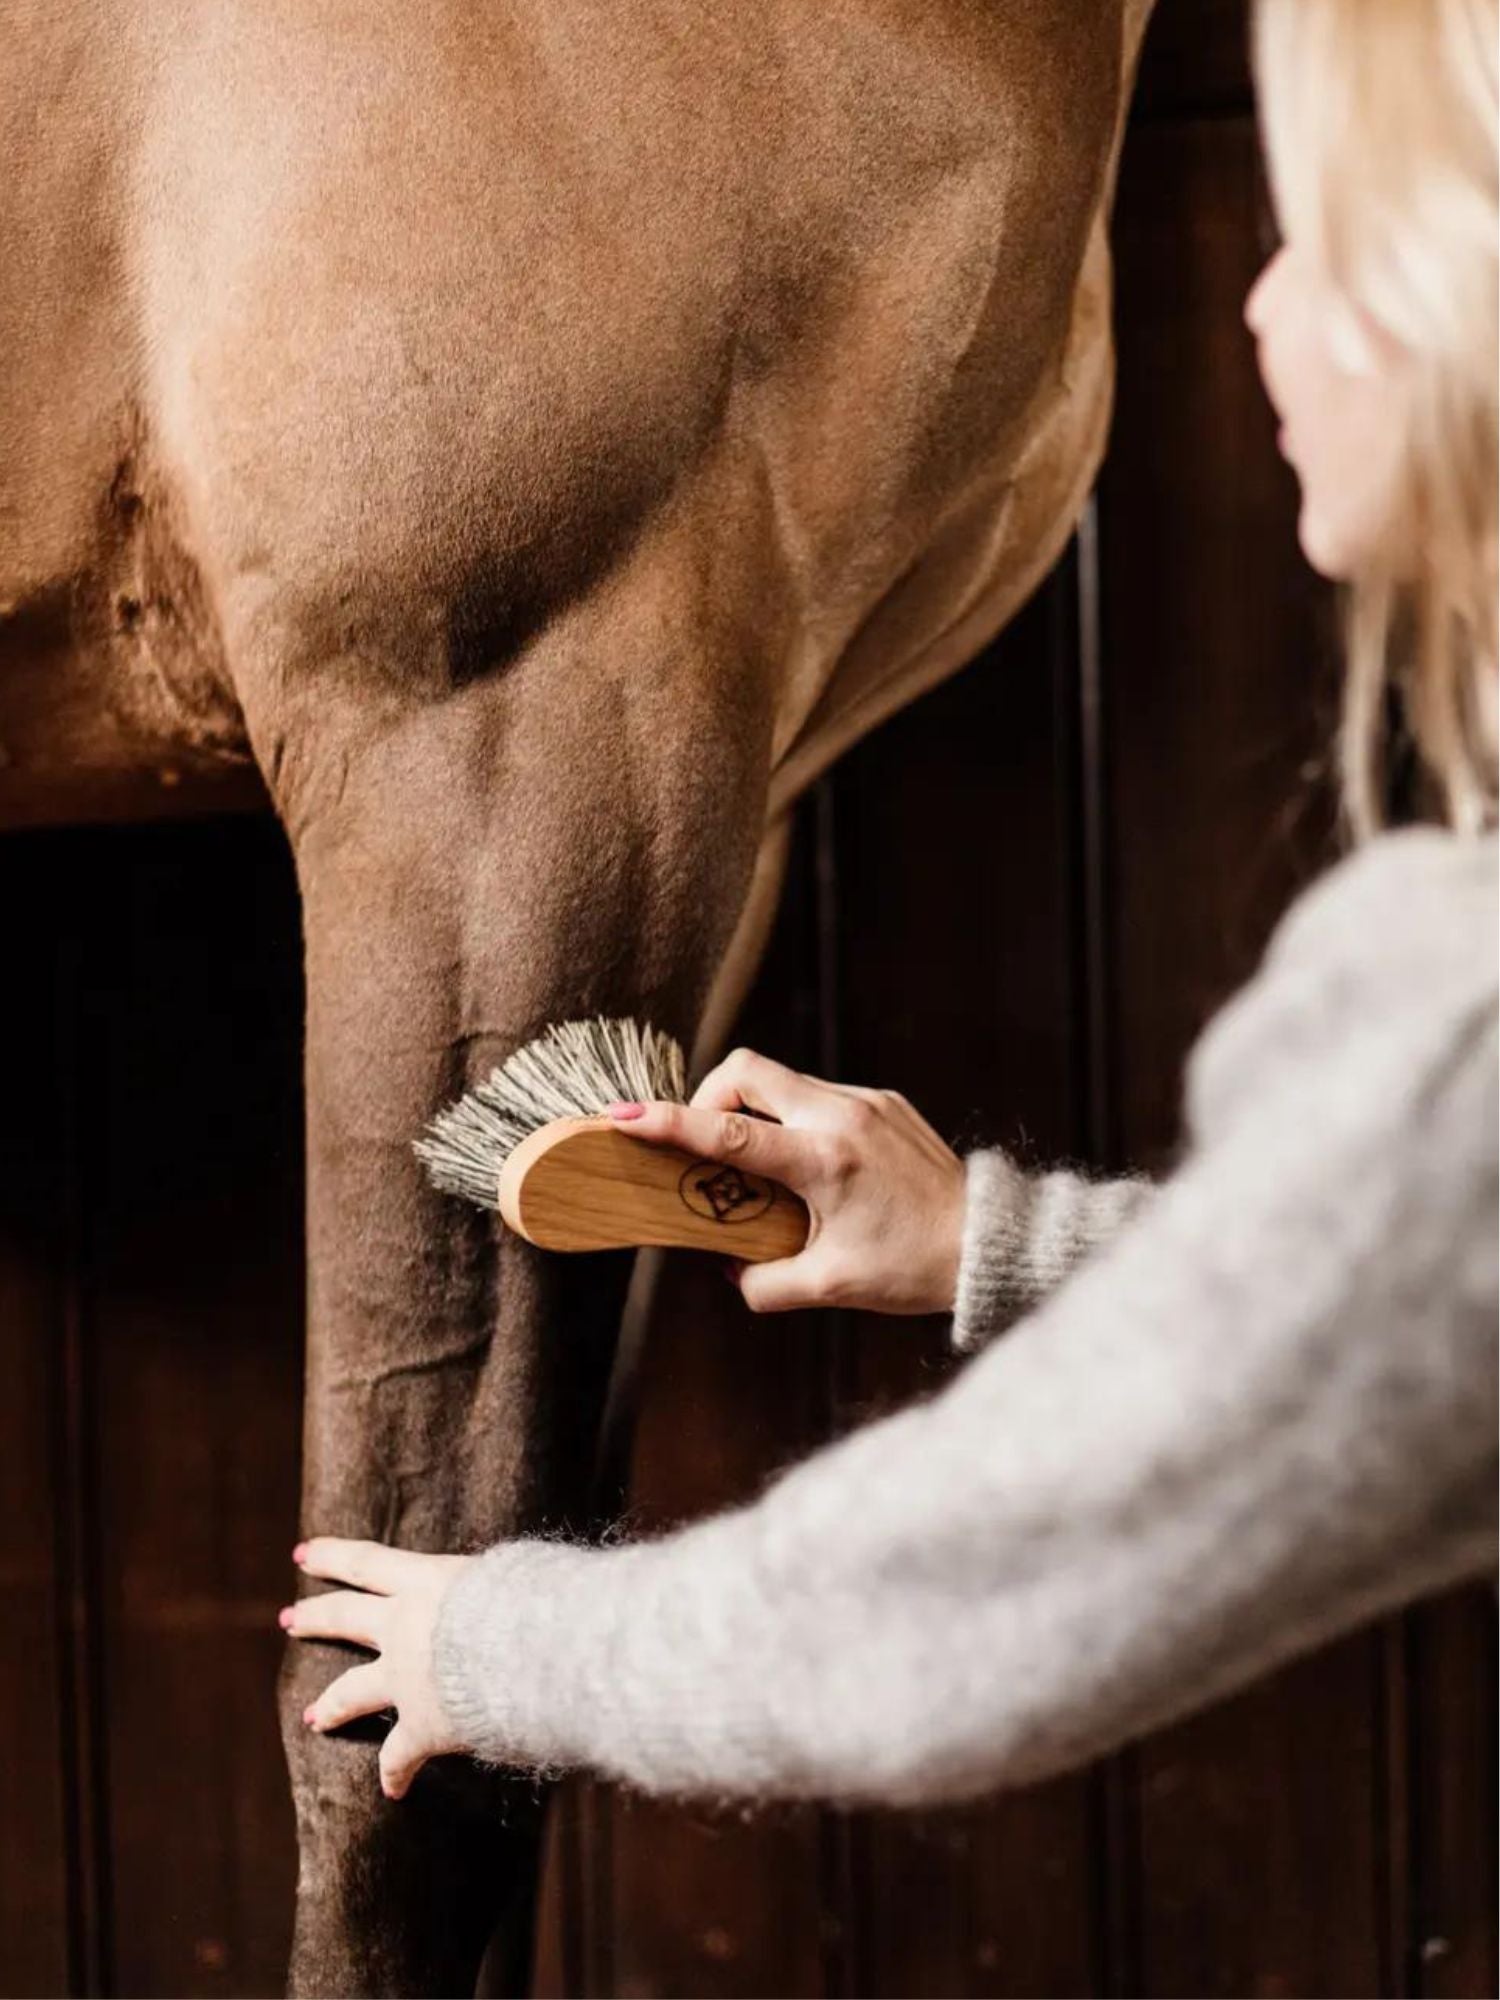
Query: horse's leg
x=732 y=982
x=741 y=960
x=574 y=836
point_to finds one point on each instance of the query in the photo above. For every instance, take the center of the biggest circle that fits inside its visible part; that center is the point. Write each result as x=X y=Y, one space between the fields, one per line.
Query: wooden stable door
x=1017 y=903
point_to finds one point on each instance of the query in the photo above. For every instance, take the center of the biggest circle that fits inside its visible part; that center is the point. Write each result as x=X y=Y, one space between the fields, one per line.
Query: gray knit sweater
x=1245 y=1411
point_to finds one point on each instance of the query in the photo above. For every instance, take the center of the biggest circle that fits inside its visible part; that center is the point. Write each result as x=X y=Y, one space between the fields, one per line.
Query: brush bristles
x=571 y=1071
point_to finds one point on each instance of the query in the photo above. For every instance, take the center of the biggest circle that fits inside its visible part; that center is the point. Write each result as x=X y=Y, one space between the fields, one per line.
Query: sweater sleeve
x=1025 y=1233
x=1262 y=1415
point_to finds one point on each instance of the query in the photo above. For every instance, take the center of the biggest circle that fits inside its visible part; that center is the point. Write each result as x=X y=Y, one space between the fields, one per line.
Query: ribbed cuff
x=512 y=1634
x=1024 y=1234
x=648 y=1661
x=990 y=1294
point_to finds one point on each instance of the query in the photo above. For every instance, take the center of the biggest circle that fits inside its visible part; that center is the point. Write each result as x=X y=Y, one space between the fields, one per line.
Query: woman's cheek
x=1322 y=543
x=1349 y=464
x=1334 y=526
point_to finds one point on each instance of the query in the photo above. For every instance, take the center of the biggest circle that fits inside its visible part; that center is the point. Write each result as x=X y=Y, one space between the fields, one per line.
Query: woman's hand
x=885 y=1194
x=392 y=1608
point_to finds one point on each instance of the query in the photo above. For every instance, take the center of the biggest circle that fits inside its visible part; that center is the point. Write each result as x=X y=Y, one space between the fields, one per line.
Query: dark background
x=1017 y=903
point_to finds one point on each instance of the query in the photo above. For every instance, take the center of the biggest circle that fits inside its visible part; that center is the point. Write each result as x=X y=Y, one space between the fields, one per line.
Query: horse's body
x=541 y=436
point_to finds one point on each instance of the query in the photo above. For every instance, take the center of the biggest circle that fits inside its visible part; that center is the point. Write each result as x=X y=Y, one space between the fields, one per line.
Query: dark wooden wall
x=1017 y=903
x=150 y=1324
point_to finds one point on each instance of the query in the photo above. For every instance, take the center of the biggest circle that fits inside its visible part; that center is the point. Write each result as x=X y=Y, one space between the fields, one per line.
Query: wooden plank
x=1261 y=1853
x=64 y=797
x=957 y=979
x=1220 y=679
x=1451 y=1950
x=1196 y=59
x=37 y=1910
x=557 y=1899
x=191 y=1049
x=700 y=1903
x=1259 y=1823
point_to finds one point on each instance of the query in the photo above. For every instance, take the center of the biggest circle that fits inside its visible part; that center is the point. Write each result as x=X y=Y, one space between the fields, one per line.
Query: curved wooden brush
x=584 y=1184
x=529 y=1141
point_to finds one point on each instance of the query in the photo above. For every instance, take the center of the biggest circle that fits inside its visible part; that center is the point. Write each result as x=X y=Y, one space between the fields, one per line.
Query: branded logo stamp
x=724 y=1194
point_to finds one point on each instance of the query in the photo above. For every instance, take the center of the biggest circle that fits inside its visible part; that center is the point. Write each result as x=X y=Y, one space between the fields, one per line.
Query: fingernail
x=299 y=1554
x=285 y=1616
x=733 y=1270
x=624 y=1109
x=309 y=1716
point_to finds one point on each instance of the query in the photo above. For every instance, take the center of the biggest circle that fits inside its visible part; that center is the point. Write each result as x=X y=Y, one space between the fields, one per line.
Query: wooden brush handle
x=583 y=1184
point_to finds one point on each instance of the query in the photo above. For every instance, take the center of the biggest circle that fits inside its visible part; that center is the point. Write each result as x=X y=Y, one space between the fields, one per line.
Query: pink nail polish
x=284 y=1617
x=299 y=1554
x=624 y=1108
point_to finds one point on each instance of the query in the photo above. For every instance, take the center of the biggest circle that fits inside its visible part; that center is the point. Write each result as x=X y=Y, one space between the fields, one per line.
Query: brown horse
x=541 y=436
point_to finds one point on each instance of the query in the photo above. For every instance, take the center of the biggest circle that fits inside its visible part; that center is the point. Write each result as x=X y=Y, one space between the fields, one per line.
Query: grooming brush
x=531 y=1142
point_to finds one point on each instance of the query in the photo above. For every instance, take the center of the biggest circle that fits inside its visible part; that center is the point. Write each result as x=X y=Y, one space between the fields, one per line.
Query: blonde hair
x=1382 y=133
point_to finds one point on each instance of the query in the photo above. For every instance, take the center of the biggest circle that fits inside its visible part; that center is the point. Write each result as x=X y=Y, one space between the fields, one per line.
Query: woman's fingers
x=366 y=1565
x=885 y=1194
x=788 y=1284
x=759 y=1084
x=781 y=1152
x=354 y=1615
x=364 y=1690
x=401 y=1757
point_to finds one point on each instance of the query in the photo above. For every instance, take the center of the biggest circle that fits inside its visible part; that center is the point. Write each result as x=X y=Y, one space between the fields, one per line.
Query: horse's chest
x=510 y=427
x=398 y=370
x=423 y=351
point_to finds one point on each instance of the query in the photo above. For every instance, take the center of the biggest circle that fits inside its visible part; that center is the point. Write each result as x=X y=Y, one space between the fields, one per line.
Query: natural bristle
x=571 y=1071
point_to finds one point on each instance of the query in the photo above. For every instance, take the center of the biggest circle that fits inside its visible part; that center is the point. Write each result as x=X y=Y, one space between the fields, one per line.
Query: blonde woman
x=1232 y=1415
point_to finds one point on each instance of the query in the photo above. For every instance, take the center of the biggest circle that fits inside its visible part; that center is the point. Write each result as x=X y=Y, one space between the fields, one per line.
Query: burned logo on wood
x=724 y=1194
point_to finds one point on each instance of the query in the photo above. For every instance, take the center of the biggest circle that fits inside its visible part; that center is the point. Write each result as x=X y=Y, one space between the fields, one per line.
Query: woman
x=1240 y=1412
